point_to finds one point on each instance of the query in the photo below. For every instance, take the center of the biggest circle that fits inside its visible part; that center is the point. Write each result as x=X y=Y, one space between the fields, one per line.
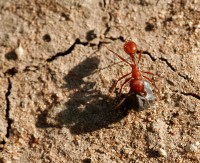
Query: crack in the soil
x=166 y=61
x=149 y=54
x=191 y=94
x=9 y=121
x=78 y=42
x=11 y=72
x=183 y=76
x=107 y=29
x=68 y=51
x=173 y=69
x=121 y=38
x=188 y=94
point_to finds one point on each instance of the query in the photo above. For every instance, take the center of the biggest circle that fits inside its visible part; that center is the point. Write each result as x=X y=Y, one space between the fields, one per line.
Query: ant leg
x=119 y=57
x=150 y=73
x=114 y=85
x=121 y=102
x=147 y=72
x=127 y=80
x=148 y=79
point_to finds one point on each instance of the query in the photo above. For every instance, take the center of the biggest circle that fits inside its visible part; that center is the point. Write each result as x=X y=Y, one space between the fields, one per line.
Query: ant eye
x=130 y=47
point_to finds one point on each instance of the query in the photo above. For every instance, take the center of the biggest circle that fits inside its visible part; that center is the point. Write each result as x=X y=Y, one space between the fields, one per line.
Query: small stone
x=19 y=51
x=197 y=143
x=191 y=147
x=162 y=152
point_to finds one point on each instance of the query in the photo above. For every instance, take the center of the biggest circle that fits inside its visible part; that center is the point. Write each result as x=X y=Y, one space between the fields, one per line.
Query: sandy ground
x=56 y=73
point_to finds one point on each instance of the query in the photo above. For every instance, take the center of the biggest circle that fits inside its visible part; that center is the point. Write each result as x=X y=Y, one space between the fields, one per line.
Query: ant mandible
x=137 y=82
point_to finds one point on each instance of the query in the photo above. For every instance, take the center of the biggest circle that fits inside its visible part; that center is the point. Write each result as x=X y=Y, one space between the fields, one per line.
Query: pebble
x=192 y=147
x=19 y=51
x=162 y=152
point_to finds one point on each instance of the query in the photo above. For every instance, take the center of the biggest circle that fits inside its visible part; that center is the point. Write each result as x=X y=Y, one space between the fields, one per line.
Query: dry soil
x=56 y=72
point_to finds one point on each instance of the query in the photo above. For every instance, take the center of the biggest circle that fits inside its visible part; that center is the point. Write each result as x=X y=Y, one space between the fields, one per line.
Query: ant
x=138 y=85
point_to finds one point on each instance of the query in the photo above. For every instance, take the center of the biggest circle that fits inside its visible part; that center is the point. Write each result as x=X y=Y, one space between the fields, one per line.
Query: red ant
x=137 y=78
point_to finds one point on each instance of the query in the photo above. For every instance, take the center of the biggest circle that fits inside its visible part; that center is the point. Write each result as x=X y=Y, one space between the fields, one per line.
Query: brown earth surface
x=56 y=73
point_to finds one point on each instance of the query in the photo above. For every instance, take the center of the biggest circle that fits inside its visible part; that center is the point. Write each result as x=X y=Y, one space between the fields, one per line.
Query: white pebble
x=191 y=147
x=197 y=143
x=19 y=51
x=162 y=152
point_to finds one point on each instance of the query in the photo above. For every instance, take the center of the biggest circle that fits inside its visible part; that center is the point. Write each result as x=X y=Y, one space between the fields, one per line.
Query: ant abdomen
x=137 y=86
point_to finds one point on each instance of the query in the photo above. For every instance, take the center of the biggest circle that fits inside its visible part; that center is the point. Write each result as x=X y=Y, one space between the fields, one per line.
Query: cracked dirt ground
x=56 y=74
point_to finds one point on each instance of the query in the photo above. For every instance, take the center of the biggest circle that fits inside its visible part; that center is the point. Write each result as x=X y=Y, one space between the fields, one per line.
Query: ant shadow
x=87 y=109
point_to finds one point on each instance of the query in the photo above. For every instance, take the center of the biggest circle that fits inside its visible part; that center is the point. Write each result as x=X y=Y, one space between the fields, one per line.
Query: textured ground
x=56 y=74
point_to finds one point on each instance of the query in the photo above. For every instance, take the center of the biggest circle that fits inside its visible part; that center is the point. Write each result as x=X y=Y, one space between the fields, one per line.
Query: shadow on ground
x=87 y=109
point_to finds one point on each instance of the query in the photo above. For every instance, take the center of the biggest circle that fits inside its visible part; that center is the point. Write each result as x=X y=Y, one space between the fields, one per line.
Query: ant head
x=130 y=48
